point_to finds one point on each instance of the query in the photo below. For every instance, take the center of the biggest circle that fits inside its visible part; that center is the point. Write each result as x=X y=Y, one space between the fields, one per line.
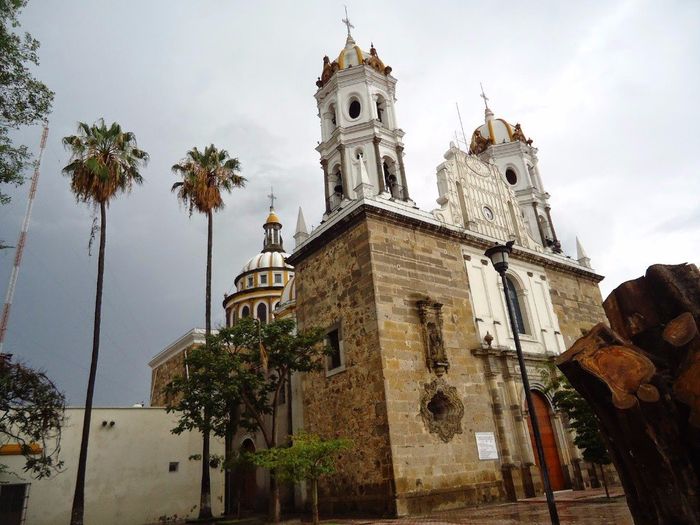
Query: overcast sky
x=607 y=90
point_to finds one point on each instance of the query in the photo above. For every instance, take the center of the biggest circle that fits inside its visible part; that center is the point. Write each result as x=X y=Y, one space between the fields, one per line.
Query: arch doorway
x=549 y=442
x=247 y=486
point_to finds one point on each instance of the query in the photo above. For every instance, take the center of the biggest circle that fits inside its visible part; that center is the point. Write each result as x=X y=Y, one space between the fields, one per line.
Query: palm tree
x=104 y=162
x=204 y=176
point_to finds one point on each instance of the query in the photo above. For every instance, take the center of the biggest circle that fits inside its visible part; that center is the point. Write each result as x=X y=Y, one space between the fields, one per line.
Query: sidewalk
x=577 y=495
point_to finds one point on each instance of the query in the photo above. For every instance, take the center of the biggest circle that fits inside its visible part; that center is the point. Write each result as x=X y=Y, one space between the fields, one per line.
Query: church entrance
x=246 y=482
x=549 y=442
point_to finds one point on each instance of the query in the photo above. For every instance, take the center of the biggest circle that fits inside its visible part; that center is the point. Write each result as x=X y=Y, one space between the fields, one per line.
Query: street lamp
x=499 y=257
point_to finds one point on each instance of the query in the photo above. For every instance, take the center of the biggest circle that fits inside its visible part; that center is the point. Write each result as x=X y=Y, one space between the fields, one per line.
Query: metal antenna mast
x=21 y=240
x=464 y=137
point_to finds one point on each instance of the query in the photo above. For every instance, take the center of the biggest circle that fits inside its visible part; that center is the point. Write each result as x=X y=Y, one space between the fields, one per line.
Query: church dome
x=351 y=56
x=266 y=260
x=495 y=131
x=272 y=218
x=289 y=293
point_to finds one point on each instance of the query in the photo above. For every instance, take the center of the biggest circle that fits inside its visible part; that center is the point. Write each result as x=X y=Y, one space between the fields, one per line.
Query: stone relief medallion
x=478 y=166
x=441 y=409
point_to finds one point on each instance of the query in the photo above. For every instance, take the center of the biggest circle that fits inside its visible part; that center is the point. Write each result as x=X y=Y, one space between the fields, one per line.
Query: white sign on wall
x=486 y=445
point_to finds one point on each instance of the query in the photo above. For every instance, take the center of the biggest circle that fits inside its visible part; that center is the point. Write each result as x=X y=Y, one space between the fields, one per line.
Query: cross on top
x=272 y=198
x=483 y=95
x=346 y=21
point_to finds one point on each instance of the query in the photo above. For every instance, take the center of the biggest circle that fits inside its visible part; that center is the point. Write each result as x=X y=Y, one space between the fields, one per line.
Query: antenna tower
x=22 y=239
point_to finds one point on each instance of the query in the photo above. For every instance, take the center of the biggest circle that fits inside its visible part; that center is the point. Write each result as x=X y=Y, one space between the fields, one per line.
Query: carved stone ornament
x=441 y=409
x=430 y=314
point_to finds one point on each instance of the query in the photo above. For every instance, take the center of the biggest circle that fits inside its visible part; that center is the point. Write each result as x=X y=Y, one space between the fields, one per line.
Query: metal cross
x=272 y=198
x=483 y=95
x=346 y=20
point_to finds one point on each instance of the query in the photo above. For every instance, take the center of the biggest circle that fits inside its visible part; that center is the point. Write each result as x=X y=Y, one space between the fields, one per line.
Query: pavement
x=589 y=507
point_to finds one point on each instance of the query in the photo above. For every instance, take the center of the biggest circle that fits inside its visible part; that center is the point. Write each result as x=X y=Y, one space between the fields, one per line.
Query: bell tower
x=506 y=146
x=361 y=144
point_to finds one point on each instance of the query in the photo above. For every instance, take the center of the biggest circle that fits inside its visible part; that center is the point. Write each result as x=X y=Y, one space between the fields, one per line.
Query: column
x=402 y=170
x=324 y=165
x=497 y=405
x=380 y=172
x=557 y=245
x=344 y=172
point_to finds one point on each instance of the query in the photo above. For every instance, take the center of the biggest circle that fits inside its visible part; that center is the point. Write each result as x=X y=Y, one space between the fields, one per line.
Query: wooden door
x=549 y=442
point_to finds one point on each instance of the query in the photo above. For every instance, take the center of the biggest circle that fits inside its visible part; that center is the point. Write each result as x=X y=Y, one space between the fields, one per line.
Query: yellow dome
x=273 y=218
x=351 y=56
x=495 y=131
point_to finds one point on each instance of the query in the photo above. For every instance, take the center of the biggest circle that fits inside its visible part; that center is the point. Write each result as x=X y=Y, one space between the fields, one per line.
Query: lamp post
x=499 y=257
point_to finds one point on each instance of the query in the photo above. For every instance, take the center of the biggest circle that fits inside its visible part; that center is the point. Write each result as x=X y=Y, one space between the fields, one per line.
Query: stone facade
x=163 y=374
x=578 y=304
x=334 y=286
x=368 y=273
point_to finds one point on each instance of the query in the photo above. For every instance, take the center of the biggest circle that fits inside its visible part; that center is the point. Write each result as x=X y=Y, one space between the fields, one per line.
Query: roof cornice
x=419 y=220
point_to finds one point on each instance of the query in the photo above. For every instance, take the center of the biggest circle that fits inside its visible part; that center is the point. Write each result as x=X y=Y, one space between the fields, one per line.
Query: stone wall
x=162 y=375
x=336 y=284
x=577 y=302
x=409 y=265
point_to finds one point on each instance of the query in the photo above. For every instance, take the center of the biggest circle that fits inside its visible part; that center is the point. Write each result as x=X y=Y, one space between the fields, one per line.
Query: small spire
x=347 y=23
x=581 y=256
x=302 y=232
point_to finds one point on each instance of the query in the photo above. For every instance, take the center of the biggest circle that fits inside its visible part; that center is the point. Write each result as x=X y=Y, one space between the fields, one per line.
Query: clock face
x=488 y=213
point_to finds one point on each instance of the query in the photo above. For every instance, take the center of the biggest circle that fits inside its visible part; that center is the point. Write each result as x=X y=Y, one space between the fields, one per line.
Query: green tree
x=279 y=350
x=24 y=100
x=31 y=415
x=307 y=459
x=105 y=161
x=216 y=376
x=582 y=420
x=204 y=176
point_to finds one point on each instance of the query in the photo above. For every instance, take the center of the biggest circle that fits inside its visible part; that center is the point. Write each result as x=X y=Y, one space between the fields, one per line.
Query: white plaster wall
x=543 y=334
x=128 y=482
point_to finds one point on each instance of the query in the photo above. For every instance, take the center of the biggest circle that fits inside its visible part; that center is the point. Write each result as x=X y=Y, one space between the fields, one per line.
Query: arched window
x=511 y=176
x=391 y=182
x=245 y=312
x=517 y=307
x=262 y=313
x=338 y=188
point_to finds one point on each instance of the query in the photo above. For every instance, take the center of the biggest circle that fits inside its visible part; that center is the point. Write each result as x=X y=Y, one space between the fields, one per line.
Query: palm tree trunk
x=209 y=249
x=205 y=495
x=78 y=509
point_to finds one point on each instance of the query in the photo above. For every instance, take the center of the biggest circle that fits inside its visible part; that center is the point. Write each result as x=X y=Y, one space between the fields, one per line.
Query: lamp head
x=499 y=255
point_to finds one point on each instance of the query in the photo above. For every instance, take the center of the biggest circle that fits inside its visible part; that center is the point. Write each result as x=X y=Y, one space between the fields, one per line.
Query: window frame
x=337 y=327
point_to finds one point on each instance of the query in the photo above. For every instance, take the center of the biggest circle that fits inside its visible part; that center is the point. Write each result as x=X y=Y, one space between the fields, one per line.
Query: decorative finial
x=272 y=198
x=483 y=95
x=346 y=21
x=488 y=339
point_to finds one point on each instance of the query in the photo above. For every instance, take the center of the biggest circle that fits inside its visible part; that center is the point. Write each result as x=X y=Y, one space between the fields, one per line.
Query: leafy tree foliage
x=307 y=459
x=24 y=100
x=243 y=367
x=31 y=415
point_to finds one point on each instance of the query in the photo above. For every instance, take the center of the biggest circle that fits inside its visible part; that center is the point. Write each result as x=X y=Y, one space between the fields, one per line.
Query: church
x=423 y=377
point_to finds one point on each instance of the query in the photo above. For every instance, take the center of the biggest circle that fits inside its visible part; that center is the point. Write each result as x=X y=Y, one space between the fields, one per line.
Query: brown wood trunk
x=642 y=379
